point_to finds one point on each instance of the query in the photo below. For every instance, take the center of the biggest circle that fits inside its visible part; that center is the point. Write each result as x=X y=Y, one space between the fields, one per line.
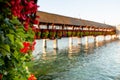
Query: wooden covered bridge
x=53 y=26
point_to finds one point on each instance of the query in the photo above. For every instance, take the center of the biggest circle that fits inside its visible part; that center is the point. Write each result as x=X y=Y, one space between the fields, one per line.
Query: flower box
x=86 y=33
x=38 y=33
x=81 y=34
x=59 y=34
x=69 y=33
x=64 y=33
x=44 y=33
x=74 y=33
x=52 y=34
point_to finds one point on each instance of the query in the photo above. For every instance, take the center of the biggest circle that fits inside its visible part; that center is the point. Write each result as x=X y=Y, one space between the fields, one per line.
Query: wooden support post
x=55 y=44
x=94 y=38
x=44 y=43
x=86 y=44
x=104 y=37
x=44 y=50
x=47 y=26
x=86 y=38
x=79 y=41
x=44 y=54
x=70 y=41
x=111 y=37
x=96 y=44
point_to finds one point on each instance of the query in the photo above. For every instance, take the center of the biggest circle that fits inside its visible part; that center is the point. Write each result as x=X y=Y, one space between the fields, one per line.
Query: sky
x=103 y=11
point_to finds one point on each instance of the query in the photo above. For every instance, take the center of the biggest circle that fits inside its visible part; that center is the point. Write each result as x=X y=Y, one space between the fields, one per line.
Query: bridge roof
x=50 y=18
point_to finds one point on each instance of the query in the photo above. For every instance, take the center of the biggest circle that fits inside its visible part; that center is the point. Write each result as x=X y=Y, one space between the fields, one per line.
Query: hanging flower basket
x=95 y=33
x=38 y=33
x=87 y=33
x=90 y=33
x=52 y=34
x=74 y=33
x=44 y=33
x=69 y=33
x=59 y=34
x=78 y=33
x=81 y=34
x=64 y=33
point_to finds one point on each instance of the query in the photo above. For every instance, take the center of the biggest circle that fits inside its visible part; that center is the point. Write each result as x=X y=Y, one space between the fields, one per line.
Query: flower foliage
x=17 y=38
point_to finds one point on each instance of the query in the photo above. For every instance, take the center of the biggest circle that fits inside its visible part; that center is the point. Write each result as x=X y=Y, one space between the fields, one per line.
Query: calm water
x=93 y=61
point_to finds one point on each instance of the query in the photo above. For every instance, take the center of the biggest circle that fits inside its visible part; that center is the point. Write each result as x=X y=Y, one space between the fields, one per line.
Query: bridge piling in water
x=79 y=41
x=70 y=41
x=86 y=38
x=44 y=43
x=55 y=43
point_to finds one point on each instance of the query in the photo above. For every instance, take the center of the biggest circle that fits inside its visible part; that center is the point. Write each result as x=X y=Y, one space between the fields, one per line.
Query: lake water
x=88 y=61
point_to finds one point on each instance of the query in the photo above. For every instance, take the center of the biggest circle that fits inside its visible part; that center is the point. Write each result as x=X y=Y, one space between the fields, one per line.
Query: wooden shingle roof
x=64 y=20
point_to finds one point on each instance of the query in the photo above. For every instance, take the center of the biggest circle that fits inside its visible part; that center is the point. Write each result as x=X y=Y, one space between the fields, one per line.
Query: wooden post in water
x=44 y=53
x=79 y=41
x=44 y=43
x=44 y=50
x=96 y=43
x=86 y=43
x=104 y=37
x=86 y=38
x=70 y=41
x=111 y=36
x=94 y=38
x=55 y=44
x=55 y=52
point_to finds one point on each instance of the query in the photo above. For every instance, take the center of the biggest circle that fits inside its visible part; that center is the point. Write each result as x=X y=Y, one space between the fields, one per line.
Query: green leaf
x=19 y=44
x=1 y=62
x=2 y=38
x=15 y=21
x=21 y=34
x=6 y=47
x=16 y=55
x=11 y=37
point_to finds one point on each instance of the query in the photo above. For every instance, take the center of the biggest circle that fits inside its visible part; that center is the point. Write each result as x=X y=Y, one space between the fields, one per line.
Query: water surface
x=93 y=61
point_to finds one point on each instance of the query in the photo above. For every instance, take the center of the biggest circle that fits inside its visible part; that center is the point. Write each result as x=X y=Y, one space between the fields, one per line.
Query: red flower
x=12 y=2
x=26 y=47
x=30 y=4
x=36 y=22
x=26 y=26
x=35 y=37
x=1 y=76
x=33 y=45
x=24 y=50
x=34 y=28
x=37 y=16
x=32 y=77
x=23 y=16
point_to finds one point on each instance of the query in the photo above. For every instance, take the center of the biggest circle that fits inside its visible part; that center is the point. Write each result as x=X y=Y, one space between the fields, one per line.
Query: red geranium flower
x=36 y=22
x=32 y=77
x=26 y=47
x=26 y=26
x=34 y=28
x=33 y=46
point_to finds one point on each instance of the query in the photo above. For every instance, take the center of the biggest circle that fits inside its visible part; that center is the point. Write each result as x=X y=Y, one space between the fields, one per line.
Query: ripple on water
x=100 y=63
